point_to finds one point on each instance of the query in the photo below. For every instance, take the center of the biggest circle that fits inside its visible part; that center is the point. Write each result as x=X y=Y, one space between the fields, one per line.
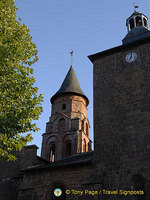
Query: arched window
x=84 y=145
x=131 y=22
x=145 y=22
x=52 y=152
x=61 y=124
x=68 y=148
x=87 y=129
x=138 y=21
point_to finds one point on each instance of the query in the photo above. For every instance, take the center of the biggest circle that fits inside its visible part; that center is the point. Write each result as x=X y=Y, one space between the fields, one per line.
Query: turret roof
x=137 y=31
x=136 y=13
x=70 y=85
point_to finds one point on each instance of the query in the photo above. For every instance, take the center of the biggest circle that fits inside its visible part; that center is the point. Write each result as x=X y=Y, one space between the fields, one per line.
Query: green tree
x=19 y=102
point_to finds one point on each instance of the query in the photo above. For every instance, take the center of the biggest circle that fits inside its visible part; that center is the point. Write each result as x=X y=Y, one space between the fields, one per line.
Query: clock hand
x=130 y=56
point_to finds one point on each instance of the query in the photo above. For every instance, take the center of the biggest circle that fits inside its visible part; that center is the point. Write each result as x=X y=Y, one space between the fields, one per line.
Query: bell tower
x=137 y=26
x=122 y=111
x=68 y=129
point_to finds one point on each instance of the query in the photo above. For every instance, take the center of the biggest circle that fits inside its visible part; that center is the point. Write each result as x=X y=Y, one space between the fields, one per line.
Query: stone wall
x=122 y=116
x=10 y=174
x=74 y=174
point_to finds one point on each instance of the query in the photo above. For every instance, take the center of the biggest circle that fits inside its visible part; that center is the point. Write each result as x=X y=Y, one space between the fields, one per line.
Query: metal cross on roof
x=135 y=6
x=71 y=53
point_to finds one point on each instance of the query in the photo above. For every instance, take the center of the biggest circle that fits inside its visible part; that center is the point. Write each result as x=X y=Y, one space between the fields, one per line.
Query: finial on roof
x=71 y=53
x=135 y=7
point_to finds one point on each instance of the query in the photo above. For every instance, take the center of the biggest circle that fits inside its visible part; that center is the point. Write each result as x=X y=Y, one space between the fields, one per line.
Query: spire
x=70 y=85
x=137 y=26
x=71 y=54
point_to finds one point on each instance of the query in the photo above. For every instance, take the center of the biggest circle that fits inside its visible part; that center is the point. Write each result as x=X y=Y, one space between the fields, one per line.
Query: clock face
x=131 y=57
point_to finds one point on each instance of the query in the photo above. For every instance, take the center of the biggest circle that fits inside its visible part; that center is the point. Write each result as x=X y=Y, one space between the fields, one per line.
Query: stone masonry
x=122 y=116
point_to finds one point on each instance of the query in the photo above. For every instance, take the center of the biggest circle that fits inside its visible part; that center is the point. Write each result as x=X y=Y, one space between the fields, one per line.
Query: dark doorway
x=68 y=149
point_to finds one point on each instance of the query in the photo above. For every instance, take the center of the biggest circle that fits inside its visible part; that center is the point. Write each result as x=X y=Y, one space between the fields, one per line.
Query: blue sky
x=84 y=26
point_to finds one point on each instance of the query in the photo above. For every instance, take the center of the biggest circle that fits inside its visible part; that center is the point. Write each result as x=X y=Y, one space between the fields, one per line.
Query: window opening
x=63 y=106
x=68 y=149
x=145 y=22
x=138 y=21
x=131 y=22
x=52 y=152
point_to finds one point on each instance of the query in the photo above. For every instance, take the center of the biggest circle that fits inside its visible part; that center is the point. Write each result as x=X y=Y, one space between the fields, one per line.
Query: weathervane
x=71 y=53
x=135 y=6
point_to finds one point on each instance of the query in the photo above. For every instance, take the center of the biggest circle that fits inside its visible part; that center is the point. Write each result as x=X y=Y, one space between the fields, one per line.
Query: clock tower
x=122 y=111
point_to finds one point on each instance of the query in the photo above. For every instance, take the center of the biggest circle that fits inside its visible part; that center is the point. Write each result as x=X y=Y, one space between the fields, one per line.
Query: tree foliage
x=19 y=102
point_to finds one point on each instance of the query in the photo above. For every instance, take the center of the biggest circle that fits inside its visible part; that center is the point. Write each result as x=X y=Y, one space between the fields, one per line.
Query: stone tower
x=68 y=129
x=122 y=111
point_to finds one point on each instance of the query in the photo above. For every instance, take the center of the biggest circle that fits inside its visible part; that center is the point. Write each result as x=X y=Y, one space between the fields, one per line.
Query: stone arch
x=52 y=148
x=86 y=126
x=57 y=122
x=67 y=144
x=61 y=124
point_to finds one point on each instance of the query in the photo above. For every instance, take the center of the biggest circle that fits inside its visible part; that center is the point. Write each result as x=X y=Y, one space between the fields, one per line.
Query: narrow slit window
x=63 y=106
x=84 y=145
x=68 y=148
x=52 y=152
x=87 y=129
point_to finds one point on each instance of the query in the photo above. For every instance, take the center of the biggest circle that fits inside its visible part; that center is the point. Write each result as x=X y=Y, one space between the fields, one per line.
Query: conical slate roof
x=70 y=85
